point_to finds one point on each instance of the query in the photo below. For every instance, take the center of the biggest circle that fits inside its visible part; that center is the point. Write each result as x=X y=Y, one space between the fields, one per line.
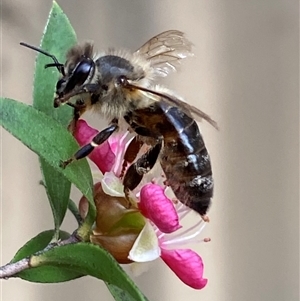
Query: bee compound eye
x=79 y=74
x=82 y=71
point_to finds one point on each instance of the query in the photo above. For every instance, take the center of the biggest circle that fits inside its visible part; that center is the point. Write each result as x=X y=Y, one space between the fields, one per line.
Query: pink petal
x=187 y=265
x=158 y=208
x=102 y=155
x=113 y=143
x=118 y=142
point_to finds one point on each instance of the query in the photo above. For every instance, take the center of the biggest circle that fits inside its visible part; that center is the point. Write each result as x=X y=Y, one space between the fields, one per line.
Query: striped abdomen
x=185 y=160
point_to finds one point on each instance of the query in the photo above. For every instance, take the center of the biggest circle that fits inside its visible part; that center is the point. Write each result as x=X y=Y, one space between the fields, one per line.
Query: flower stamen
x=180 y=238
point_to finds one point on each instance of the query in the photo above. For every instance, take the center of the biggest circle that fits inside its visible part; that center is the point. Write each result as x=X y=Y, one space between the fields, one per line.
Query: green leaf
x=58 y=37
x=90 y=260
x=74 y=210
x=119 y=294
x=48 y=274
x=38 y=243
x=58 y=189
x=43 y=274
x=49 y=140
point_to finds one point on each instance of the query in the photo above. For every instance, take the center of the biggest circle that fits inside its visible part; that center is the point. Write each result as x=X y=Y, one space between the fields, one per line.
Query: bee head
x=77 y=70
x=75 y=77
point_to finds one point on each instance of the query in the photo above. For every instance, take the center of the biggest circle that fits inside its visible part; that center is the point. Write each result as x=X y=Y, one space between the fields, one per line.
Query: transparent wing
x=190 y=110
x=166 y=50
x=160 y=94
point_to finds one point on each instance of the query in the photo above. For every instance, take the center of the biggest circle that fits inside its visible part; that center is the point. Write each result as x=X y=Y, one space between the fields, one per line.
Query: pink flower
x=103 y=156
x=185 y=263
x=161 y=235
x=106 y=155
x=162 y=213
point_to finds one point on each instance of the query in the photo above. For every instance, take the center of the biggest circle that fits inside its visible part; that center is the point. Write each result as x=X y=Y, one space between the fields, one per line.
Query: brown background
x=245 y=75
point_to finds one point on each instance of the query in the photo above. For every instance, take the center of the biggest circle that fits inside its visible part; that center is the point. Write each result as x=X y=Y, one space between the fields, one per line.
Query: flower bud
x=110 y=210
x=118 y=223
x=118 y=245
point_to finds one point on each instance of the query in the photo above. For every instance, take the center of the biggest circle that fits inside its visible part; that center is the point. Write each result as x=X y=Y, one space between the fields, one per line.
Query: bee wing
x=166 y=50
x=160 y=94
x=189 y=109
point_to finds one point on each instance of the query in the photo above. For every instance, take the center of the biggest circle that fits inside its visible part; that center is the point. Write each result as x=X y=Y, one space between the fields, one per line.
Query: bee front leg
x=78 y=109
x=88 y=148
x=144 y=164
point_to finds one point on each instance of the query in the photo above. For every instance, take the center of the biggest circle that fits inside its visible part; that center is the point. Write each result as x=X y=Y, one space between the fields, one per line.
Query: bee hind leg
x=131 y=153
x=143 y=165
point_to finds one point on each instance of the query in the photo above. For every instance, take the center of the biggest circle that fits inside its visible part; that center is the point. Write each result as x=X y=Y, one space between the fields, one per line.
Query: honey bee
x=119 y=85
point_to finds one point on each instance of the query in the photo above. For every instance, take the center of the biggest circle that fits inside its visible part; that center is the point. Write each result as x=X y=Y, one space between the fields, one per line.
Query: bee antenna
x=57 y=64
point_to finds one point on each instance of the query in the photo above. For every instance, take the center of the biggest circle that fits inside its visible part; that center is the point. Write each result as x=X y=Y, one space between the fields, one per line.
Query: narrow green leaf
x=49 y=274
x=119 y=294
x=49 y=140
x=74 y=210
x=43 y=274
x=58 y=37
x=90 y=260
x=37 y=243
x=58 y=189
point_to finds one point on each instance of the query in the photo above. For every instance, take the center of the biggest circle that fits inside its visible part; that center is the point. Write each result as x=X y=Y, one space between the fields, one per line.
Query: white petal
x=112 y=185
x=146 y=247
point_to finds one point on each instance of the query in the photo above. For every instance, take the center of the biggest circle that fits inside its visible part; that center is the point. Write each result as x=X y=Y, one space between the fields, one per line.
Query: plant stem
x=13 y=268
x=84 y=230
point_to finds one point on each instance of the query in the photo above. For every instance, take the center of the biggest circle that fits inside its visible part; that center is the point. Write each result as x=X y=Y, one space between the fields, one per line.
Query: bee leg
x=131 y=153
x=88 y=148
x=72 y=124
x=76 y=114
x=143 y=165
x=78 y=109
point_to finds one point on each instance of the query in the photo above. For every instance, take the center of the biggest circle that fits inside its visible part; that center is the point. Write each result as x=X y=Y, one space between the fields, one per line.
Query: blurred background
x=245 y=75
